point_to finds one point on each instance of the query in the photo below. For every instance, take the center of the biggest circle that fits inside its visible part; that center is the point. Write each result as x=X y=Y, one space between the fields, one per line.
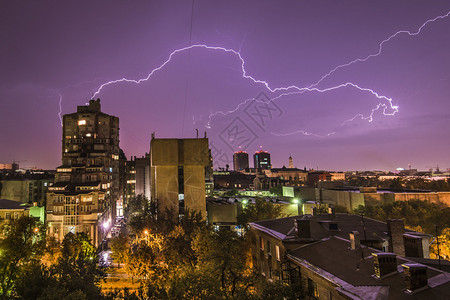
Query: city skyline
x=206 y=63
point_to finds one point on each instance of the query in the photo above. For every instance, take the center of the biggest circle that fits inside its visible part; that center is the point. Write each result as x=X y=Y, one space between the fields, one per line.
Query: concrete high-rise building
x=261 y=160
x=86 y=187
x=138 y=177
x=180 y=169
x=240 y=161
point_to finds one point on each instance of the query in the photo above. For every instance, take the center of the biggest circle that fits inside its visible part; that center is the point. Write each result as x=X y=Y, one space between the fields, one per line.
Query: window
x=261 y=243
x=313 y=289
x=277 y=252
x=269 y=249
x=82 y=122
x=263 y=267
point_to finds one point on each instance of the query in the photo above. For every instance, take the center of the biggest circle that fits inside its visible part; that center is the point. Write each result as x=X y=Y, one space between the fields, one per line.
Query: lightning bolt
x=59 y=90
x=60 y=107
x=380 y=47
x=323 y=90
x=304 y=133
x=246 y=76
x=370 y=117
x=311 y=88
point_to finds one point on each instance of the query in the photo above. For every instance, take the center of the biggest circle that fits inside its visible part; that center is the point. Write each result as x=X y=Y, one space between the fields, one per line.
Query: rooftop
x=333 y=259
x=10 y=204
x=376 y=231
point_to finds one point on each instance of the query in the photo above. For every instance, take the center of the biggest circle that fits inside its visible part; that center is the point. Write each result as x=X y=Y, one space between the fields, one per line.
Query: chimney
x=416 y=245
x=384 y=263
x=302 y=228
x=354 y=240
x=415 y=276
x=396 y=230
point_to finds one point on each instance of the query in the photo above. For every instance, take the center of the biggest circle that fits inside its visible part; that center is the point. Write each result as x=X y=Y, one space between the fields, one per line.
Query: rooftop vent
x=415 y=277
x=302 y=228
x=384 y=263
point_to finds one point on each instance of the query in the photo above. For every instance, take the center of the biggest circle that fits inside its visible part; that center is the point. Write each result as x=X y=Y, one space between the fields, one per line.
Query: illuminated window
x=313 y=289
x=277 y=250
x=82 y=122
x=87 y=198
x=88 y=134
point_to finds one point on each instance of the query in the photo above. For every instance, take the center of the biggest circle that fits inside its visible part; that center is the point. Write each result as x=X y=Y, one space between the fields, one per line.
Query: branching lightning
x=304 y=133
x=292 y=89
x=246 y=76
x=380 y=48
x=315 y=89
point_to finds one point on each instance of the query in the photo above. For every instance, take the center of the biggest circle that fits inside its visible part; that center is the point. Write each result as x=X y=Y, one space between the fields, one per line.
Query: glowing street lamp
x=105 y=225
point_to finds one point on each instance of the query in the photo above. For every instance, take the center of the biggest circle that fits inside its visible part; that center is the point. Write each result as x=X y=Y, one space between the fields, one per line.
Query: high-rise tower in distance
x=240 y=161
x=261 y=160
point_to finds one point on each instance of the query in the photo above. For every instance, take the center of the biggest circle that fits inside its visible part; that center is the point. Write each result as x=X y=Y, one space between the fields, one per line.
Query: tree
x=223 y=256
x=261 y=210
x=141 y=213
x=23 y=243
x=119 y=247
x=178 y=250
x=77 y=269
x=144 y=257
x=444 y=245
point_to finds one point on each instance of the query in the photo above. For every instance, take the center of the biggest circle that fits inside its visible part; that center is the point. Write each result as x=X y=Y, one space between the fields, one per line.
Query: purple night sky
x=61 y=52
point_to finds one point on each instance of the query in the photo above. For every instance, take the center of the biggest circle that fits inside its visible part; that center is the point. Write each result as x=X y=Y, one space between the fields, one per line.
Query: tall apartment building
x=86 y=187
x=240 y=161
x=138 y=177
x=261 y=160
x=180 y=170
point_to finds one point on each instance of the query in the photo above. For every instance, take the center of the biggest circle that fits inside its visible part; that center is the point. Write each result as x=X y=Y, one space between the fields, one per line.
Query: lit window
x=88 y=134
x=82 y=122
x=277 y=250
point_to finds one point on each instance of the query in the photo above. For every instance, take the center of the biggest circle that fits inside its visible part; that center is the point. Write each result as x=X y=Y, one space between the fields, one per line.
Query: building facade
x=87 y=187
x=332 y=257
x=240 y=161
x=180 y=170
x=261 y=160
